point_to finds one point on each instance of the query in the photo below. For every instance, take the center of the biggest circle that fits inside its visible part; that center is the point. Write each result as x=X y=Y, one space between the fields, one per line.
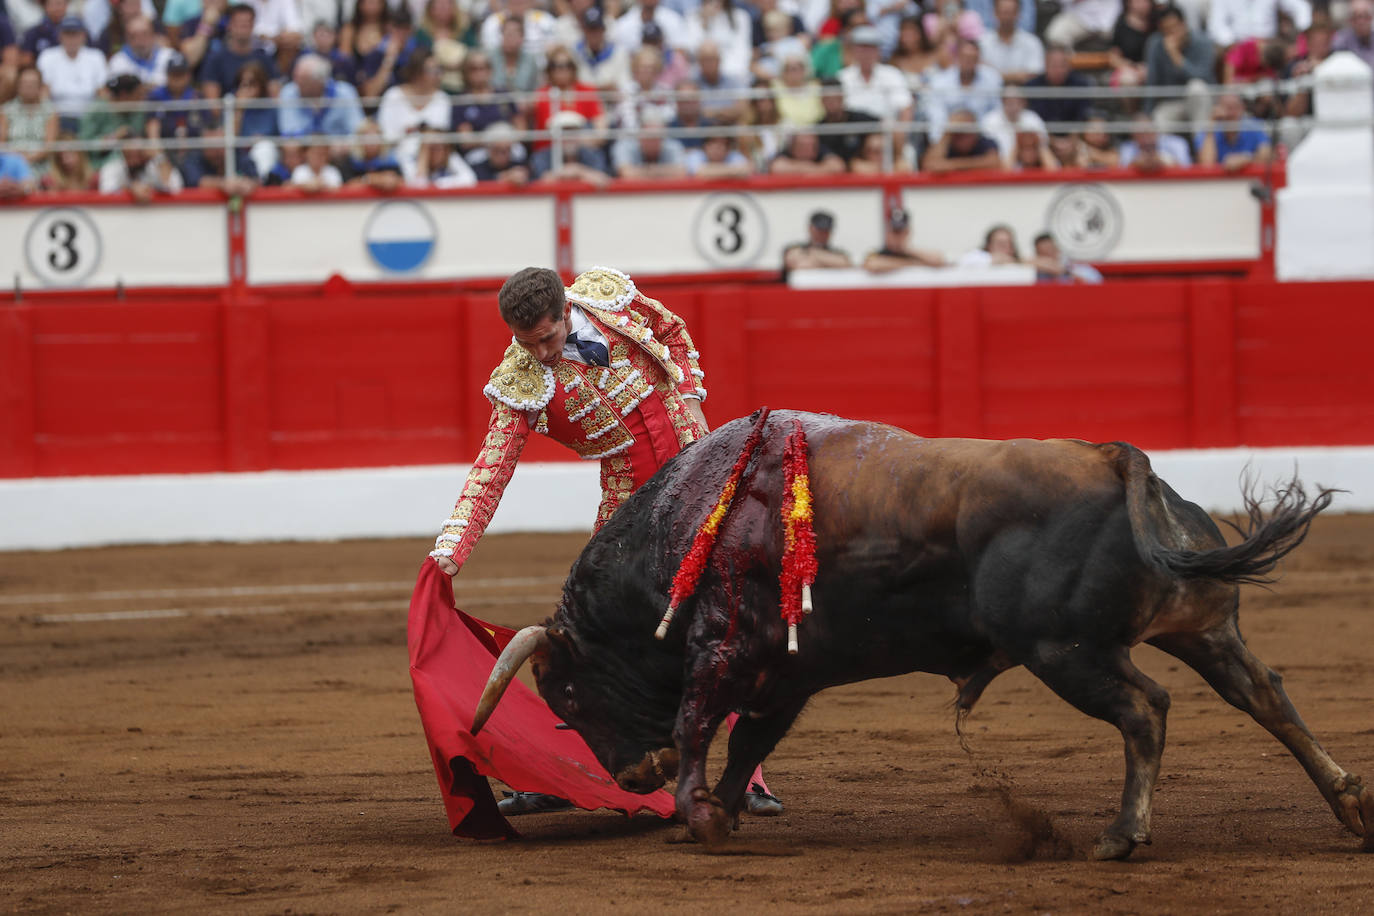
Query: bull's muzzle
x=529 y=641
x=656 y=768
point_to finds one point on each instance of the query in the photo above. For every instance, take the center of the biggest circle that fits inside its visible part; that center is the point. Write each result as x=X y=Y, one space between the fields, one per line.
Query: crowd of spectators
x=332 y=93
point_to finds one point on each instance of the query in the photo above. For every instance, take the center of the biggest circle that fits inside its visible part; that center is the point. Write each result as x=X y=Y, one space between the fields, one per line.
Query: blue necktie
x=594 y=353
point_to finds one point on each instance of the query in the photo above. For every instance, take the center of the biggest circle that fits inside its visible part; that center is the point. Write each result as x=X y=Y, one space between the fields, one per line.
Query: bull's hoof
x=1111 y=846
x=1355 y=808
x=706 y=818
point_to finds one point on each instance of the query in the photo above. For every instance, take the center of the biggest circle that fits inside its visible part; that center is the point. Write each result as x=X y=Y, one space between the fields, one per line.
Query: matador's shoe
x=760 y=804
x=530 y=803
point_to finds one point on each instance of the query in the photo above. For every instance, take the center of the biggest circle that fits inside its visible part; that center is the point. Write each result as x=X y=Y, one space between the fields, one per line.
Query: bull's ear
x=561 y=641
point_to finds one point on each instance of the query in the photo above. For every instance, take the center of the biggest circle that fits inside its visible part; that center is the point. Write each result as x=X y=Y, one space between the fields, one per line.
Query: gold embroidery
x=521 y=381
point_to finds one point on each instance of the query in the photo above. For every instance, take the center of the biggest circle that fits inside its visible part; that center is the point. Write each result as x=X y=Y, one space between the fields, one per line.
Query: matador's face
x=545 y=340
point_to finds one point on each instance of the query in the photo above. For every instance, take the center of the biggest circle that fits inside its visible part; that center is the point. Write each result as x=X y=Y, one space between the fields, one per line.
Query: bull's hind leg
x=1105 y=684
x=1221 y=657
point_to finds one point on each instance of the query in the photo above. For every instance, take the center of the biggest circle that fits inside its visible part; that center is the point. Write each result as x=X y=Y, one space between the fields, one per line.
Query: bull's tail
x=1268 y=535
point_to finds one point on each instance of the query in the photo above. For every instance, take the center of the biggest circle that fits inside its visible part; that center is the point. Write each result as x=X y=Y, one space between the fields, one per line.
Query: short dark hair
x=1043 y=237
x=1168 y=10
x=530 y=296
x=237 y=8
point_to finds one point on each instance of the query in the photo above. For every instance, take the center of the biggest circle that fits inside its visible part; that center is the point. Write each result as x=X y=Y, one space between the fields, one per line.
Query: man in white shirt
x=72 y=72
x=1015 y=53
x=276 y=18
x=969 y=84
x=1002 y=124
x=540 y=26
x=629 y=28
x=141 y=55
x=1082 y=19
x=1232 y=21
x=871 y=87
x=139 y=172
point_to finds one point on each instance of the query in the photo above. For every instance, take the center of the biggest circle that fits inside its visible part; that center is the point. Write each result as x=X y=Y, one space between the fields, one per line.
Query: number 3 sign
x=730 y=230
x=62 y=247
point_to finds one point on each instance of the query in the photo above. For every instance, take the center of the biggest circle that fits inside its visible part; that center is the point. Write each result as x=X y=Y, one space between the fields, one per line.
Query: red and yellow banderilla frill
x=798 y=534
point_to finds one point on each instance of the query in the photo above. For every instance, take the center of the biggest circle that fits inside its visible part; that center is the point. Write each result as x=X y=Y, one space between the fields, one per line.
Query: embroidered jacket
x=582 y=407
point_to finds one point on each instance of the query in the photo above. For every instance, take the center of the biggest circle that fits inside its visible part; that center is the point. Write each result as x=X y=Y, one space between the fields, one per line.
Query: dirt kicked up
x=231 y=727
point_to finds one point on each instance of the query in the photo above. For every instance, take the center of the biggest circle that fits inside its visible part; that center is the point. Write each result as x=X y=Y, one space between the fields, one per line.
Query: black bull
x=953 y=556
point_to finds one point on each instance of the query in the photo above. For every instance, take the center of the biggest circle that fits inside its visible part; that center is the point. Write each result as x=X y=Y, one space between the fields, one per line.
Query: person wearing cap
x=72 y=71
x=600 y=62
x=629 y=28
x=873 y=87
x=897 y=252
x=604 y=370
x=649 y=157
x=573 y=95
x=172 y=120
x=107 y=121
x=677 y=64
x=44 y=34
x=141 y=56
x=816 y=252
x=583 y=157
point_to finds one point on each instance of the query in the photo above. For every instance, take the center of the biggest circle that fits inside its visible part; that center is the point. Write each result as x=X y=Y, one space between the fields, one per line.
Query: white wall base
x=60 y=512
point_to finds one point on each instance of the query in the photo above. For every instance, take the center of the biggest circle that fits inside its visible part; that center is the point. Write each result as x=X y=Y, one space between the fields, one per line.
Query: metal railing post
x=556 y=106
x=230 y=136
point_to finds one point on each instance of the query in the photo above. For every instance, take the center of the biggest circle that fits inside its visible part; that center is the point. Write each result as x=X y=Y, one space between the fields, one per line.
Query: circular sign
x=1085 y=220
x=730 y=229
x=400 y=235
x=62 y=247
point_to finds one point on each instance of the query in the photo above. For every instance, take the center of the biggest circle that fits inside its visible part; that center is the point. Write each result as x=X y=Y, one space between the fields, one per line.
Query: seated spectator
x=108 y=23
x=797 y=95
x=1254 y=59
x=478 y=107
x=1002 y=124
x=962 y=147
x=600 y=62
x=290 y=156
x=689 y=115
x=582 y=98
x=379 y=68
x=649 y=157
x=1232 y=21
x=568 y=22
x=1236 y=140
x=782 y=42
x=721 y=98
x=1083 y=20
x=361 y=35
x=500 y=158
x=16 y=176
x=1319 y=47
x=896 y=252
x=416 y=100
x=1013 y=52
x=969 y=84
x=1052 y=267
x=1358 y=35
x=716 y=158
x=252 y=89
x=324 y=41
x=220 y=69
x=70 y=170
x=644 y=92
x=1148 y=151
x=1099 y=145
x=802 y=154
x=176 y=122
x=1177 y=57
x=537 y=26
x=1133 y=29
x=141 y=172
x=316 y=173
x=915 y=53
x=141 y=56
x=44 y=34
x=370 y=165
x=1030 y=150
x=1067 y=150
x=437 y=165
x=110 y=120
x=514 y=67
x=816 y=251
x=629 y=28
x=872 y=87
x=677 y=64
x=72 y=72
x=999 y=247
x=986 y=13
x=314 y=103
x=728 y=26
x=845 y=145
x=206 y=168
x=278 y=22
x=1059 y=74
x=583 y=157
x=869 y=160
x=28 y=122
x=762 y=113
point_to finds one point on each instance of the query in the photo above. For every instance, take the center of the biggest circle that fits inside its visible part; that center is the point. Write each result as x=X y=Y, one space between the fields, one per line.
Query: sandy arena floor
x=231 y=727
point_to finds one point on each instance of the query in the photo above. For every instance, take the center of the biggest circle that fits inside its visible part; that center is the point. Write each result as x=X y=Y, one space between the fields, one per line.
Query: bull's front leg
x=701 y=811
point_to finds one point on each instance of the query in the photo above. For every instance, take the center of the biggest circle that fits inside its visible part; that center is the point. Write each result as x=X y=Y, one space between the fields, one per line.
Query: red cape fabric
x=451 y=656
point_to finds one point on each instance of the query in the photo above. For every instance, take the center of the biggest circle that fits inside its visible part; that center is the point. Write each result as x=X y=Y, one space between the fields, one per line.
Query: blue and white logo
x=400 y=236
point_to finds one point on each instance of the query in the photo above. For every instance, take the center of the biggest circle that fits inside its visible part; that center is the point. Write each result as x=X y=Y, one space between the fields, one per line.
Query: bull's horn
x=522 y=645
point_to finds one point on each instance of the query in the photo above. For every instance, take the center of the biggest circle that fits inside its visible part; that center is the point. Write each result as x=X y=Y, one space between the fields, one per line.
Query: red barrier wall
x=366 y=377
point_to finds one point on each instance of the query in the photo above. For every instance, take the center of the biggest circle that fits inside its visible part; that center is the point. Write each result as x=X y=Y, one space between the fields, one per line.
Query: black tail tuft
x=1269 y=536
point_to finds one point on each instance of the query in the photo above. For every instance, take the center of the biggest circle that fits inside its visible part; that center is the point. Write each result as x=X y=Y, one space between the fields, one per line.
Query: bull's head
x=602 y=705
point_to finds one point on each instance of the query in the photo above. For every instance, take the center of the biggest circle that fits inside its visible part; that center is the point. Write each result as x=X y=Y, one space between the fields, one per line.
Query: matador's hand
x=449 y=567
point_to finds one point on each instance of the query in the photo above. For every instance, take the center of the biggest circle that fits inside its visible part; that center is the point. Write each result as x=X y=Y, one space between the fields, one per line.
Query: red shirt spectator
x=579 y=97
